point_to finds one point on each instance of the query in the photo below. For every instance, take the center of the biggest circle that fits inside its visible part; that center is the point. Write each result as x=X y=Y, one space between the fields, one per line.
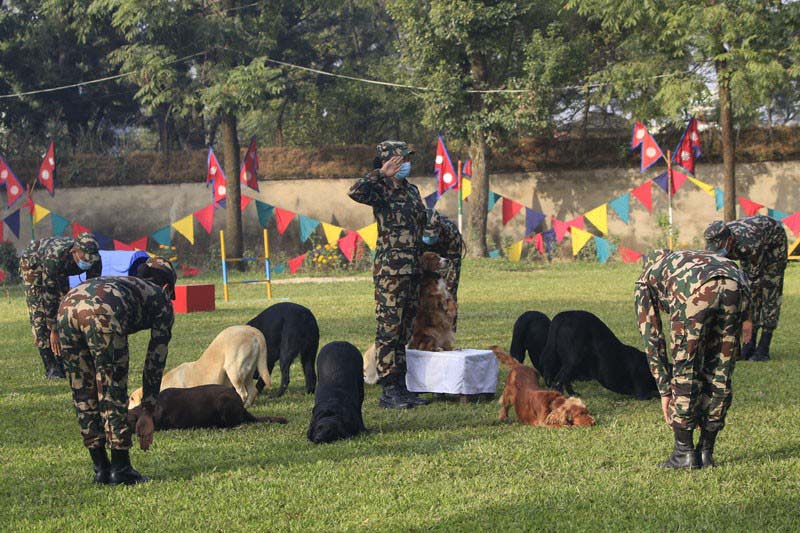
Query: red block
x=191 y=298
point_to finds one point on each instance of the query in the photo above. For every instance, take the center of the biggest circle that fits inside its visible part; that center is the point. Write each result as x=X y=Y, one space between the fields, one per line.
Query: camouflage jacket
x=46 y=265
x=124 y=305
x=401 y=217
x=450 y=243
x=667 y=285
x=759 y=243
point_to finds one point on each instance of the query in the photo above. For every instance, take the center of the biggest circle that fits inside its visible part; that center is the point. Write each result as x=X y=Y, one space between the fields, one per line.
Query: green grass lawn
x=445 y=466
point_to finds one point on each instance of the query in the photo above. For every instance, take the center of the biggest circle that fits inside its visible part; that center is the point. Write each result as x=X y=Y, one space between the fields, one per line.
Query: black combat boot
x=705 y=448
x=122 y=473
x=762 y=351
x=102 y=468
x=411 y=397
x=393 y=397
x=683 y=454
x=747 y=349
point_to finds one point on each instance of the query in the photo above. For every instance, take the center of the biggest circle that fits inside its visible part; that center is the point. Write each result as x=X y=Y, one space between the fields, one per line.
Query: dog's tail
x=260 y=344
x=504 y=357
x=248 y=418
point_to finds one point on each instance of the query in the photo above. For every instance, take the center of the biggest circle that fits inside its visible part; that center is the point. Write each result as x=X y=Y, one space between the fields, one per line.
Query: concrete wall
x=127 y=213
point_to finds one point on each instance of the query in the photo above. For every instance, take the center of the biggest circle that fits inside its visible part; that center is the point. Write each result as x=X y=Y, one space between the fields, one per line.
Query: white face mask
x=83 y=265
x=405 y=170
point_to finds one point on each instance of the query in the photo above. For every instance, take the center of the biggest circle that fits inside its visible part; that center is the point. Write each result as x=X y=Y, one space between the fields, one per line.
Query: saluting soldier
x=45 y=267
x=94 y=321
x=400 y=213
x=441 y=235
x=707 y=298
x=759 y=243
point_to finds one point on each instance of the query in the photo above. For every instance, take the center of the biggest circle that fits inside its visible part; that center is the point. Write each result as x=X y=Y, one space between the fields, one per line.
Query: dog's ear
x=558 y=412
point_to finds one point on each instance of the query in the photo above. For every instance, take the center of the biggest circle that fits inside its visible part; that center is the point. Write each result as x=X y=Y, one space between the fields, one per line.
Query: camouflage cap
x=716 y=234
x=163 y=265
x=389 y=149
x=87 y=244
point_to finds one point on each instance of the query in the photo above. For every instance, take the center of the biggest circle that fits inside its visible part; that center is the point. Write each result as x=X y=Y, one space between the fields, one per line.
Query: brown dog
x=534 y=406
x=432 y=329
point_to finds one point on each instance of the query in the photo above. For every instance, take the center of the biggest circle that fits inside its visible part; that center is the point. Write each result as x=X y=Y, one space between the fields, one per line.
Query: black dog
x=206 y=406
x=340 y=393
x=530 y=335
x=581 y=347
x=289 y=329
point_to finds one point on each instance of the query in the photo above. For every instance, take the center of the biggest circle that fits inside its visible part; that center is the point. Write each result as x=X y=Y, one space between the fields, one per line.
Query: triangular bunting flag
x=599 y=218
x=283 y=217
x=12 y=221
x=331 y=232
x=750 y=207
x=576 y=222
x=493 y=197
x=77 y=229
x=14 y=188
x=278 y=269
x=622 y=206
x=431 y=199
x=249 y=171
x=370 y=235
x=39 y=212
x=793 y=223
x=467 y=170
x=59 y=224
x=644 y=193
x=467 y=188
x=163 y=236
x=538 y=241
x=661 y=180
x=514 y=252
x=47 y=170
x=777 y=215
x=205 y=217
x=104 y=242
x=579 y=239
x=119 y=245
x=532 y=220
x=651 y=152
x=140 y=244
x=560 y=228
x=703 y=185
x=678 y=179
x=494 y=254
x=719 y=198
x=185 y=227
x=603 y=247
x=445 y=173
x=264 y=212
x=307 y=226
x=245 y=201
x=296 y=263
x=629 y=256
x=550 y=238
x=347 y=245
x=510 y=209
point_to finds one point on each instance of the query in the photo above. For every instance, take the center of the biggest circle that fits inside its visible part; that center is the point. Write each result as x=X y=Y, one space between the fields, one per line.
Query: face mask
x=83 y=265
x=430 y=240
x=405 y=170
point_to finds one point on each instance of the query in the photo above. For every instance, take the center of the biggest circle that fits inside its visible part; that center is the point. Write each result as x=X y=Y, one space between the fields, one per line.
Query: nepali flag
x=688 y=148
x=47 y=170
x=467 y=170
x=639 y=132
x=444 y=170
x=249 y=172
x=216 y=177
x=651 y=152
x=13 y=187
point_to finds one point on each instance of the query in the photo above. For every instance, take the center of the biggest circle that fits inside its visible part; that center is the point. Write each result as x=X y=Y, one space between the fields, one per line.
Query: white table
x=465 y=371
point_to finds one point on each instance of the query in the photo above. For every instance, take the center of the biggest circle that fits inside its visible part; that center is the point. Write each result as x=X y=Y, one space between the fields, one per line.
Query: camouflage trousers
x=767 y=296
x=94 y=353
x=705 y=344
x=396 y=301
x=37 y=316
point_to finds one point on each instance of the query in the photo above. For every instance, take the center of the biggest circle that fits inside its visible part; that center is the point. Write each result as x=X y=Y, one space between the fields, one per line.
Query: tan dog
x=230 y=359
x=371 y=365
x=432 y=329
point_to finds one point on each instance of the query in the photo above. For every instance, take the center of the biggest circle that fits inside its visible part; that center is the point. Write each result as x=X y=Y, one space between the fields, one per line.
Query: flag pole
x=669 y=197
x=460 y=196
x=30 y=214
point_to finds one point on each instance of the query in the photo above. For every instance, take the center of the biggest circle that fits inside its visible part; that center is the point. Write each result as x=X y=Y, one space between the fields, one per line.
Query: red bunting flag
x=14 y=188
x=793 y=223
x=245 y=201
x=29 y=205
x=688 y=148
x=140 y=244
x=249 y=173
x=560 y=228
x=446 y=174
x=750 y=207
x=510 y=209
x=467 y=170
x=47 y=170
x=295 y=263
x=651 y=152
x=538 y=241
x=629 y=256
x=77 y=229
x=639 y=132
x=119 y=245
x=283 y=218
x=205 y=217
x=576 y=222
x=347 y=245
x=678 y=179
x=2 y=275
x=644 y=193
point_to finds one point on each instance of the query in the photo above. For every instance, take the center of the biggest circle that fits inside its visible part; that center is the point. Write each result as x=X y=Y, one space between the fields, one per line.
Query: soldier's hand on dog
x=144 y=429
x=392 y=166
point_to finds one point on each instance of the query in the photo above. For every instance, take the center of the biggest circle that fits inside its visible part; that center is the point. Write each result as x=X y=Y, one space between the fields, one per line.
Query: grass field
x=445 y=466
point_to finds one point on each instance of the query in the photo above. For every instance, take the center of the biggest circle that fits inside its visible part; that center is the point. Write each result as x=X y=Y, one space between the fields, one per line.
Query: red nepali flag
x=467 y=170
x=651 y=152
x=47 y=170
x=216 y=177
x=639 y=132
x=445 y=172
x=688 y=148
x=249 y=172
x=13 y=187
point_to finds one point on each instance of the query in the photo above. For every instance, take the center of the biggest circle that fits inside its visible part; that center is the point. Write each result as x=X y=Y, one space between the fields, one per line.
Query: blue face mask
x=83 y=265
x=405 y=170
x=430 y=240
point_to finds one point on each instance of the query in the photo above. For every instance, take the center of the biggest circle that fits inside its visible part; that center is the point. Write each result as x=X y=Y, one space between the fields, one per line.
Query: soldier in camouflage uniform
x=759 y=243
x=707 y=298
x=441 y=235
x=94 y=321
x=45 y=267
x=400 y=213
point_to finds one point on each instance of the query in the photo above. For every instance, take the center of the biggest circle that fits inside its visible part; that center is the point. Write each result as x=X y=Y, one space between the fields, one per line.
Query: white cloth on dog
x=464 y=371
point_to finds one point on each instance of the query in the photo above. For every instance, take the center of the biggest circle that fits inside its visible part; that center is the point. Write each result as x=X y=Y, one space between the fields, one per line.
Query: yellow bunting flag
x=599 y=218
x=185 y=227
x=370 y=235
x=703 y=185
x=332 y=232
x=39 y=212
x=579 y=239
x=466 y=185
x=514 y=251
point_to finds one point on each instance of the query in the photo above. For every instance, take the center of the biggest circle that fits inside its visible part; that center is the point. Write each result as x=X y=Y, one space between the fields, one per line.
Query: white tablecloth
x=457 y=372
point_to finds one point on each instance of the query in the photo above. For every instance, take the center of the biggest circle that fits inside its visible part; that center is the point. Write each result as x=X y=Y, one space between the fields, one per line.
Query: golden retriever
x=432 y=329
x=230 y=359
